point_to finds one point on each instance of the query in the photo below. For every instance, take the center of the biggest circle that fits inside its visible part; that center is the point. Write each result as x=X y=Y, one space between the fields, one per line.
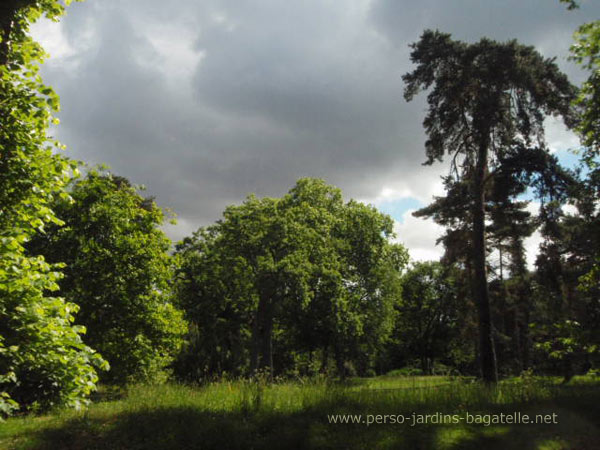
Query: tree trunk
x=255 y=345
x=262 y=341
x=266 y=362
x=325 y=360
x=568 y=371
x=525 y=343
x=426 y=365
x=489 y=371
x=339 y=361
x=515 y=334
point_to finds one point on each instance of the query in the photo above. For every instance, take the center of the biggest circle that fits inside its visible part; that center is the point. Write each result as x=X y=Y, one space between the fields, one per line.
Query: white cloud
x=558 y=137
x=175 y=54
x=419 y=236
x=532 y=246
x=65 y=53
x=422 y=184
x=236 y=97
x=50 y=35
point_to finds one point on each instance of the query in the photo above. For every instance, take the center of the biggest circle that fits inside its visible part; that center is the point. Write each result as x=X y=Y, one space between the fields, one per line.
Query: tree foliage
x=118 y=269
x=43 y=360
x=429 y=314
x=586 y=52
x=568 y=268
x=302 y=272
x=487 y=99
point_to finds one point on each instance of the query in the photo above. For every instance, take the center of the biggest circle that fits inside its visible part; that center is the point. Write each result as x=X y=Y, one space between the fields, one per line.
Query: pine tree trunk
x=489 y=371
x=525 y=341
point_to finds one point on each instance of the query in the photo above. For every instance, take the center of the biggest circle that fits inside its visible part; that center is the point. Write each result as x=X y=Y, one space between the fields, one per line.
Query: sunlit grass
x=243 y=414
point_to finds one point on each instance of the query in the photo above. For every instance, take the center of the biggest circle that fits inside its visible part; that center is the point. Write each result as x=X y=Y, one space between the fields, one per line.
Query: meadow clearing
x=245 y=414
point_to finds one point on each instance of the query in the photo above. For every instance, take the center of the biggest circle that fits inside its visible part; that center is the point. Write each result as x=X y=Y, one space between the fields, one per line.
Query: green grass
x=245 y=415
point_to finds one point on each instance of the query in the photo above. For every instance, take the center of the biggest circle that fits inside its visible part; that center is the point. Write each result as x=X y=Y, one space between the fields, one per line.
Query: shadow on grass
x=188 y=428
x=169 y=428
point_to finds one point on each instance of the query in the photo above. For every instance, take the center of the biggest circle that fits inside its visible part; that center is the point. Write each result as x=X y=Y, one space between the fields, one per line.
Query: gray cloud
x=209 y=101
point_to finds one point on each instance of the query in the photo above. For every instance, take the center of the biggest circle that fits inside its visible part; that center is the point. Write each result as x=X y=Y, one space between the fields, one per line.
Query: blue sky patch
x=397 y=208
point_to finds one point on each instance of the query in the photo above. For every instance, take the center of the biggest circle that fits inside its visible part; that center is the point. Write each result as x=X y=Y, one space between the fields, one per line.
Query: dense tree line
x=306 y=284
x=281 y=280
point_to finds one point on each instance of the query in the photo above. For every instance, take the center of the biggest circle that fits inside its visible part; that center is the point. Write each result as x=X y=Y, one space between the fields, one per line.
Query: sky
x=204 y=102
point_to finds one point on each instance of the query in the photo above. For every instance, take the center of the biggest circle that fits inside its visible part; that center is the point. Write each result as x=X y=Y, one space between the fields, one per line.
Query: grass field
x=246 y=415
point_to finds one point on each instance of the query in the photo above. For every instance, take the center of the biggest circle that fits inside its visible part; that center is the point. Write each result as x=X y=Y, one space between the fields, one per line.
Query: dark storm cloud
x=207 y=101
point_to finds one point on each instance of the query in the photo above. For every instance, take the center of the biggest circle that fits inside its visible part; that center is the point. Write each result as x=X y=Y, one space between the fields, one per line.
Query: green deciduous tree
x=118 y=269
x=429 y=314
x=568 y=313
x=351 y=314
x=215 y=289
x=568 y=273
x=301 y=273
x=487 y=99
x=43 y=360
x=586 y=52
